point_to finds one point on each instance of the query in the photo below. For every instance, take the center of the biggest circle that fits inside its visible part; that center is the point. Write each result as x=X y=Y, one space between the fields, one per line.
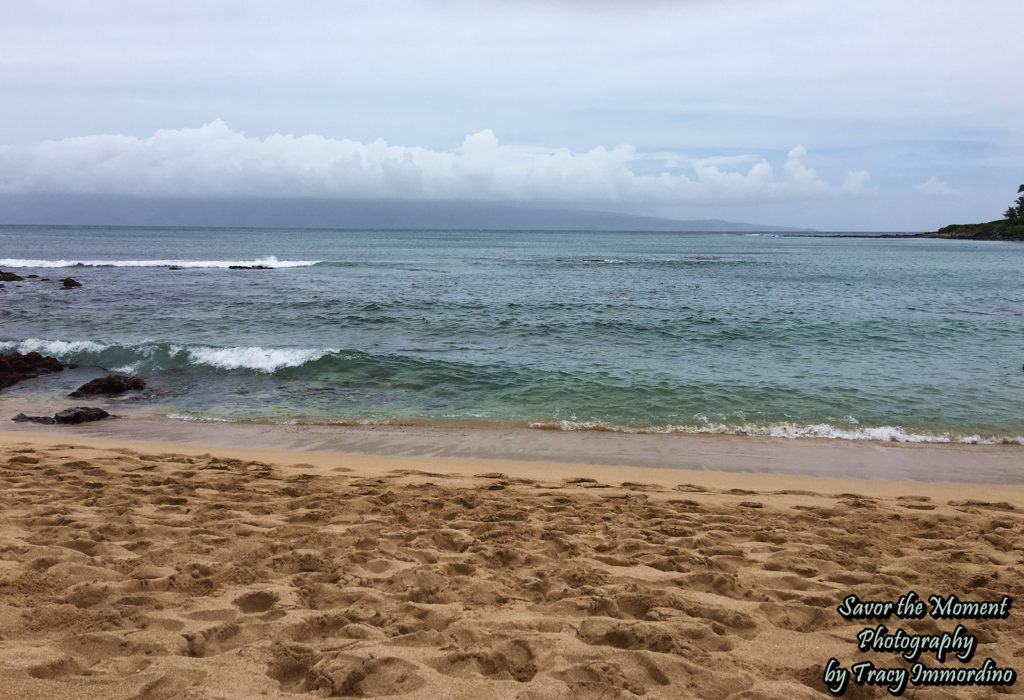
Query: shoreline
x=458 y=463
x=861 y=460
x=46 y=400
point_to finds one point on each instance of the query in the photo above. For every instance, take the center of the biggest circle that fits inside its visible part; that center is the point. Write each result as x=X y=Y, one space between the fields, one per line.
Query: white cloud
x=934 y=187
x=216 y=160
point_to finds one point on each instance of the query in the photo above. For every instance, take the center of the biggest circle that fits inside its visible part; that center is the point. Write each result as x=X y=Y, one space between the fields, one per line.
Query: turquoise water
x=764 y=334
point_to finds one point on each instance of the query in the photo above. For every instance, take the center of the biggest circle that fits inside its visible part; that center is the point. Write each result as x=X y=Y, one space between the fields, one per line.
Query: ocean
x=759 y=334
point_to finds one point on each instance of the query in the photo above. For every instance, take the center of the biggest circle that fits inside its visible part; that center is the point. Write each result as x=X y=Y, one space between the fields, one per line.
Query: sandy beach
x=135 y=569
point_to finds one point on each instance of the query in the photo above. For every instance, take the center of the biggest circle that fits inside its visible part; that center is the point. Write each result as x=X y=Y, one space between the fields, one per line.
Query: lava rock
x=79 y=414
x=70 y=283
x=32 y=277
x=110 y=384
x=10 y=277
x=15 y=367
x=22 y=418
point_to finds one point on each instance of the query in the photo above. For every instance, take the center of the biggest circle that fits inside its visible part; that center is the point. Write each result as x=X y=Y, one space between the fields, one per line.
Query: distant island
x=281 y=212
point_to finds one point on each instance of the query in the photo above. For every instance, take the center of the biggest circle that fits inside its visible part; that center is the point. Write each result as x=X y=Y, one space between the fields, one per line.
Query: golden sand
x=147 y=570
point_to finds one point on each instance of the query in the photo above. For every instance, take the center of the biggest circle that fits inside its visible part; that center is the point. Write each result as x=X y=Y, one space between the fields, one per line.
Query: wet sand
x=133 y=569
x=831 y=458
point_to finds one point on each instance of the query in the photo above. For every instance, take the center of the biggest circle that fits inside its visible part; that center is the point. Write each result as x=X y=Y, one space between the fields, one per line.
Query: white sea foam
x=197 y=419
x=885 y=433
x=257 y=358
x=54 y=348
x=269 y=261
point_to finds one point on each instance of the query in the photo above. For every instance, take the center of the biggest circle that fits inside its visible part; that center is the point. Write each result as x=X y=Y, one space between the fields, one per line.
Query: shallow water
x=919 y=340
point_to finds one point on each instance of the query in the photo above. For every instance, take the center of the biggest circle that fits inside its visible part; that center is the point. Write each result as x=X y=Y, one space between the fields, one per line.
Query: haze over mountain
x=101 y=210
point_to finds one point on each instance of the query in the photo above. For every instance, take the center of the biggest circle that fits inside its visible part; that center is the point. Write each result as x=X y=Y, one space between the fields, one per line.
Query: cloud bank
x=214 y=160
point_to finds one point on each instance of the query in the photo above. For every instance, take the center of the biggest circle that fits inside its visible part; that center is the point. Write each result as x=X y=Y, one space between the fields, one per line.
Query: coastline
x=955 y=232
x=152 y=569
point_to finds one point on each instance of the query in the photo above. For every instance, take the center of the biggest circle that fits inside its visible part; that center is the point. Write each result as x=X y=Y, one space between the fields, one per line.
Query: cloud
x=216 y=160
x=934 y=187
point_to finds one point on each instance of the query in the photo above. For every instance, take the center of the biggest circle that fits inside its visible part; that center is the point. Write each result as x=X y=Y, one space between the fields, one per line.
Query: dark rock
x=10 y=277
x=44 y=279
x=70 y=283
x=110 y=384
x=32 y=277
x=1 y=286
x=249 y=267
x=174 y=267
x=22 y=418
x=15 y=367
x=80 y=414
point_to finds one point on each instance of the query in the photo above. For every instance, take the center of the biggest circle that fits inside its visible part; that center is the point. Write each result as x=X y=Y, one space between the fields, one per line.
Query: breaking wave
x=884 y=433
x=152 y=357
x=269 y=261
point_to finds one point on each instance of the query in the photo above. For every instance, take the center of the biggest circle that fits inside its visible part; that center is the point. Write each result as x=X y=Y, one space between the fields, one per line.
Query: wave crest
x=61 y=349
x=260 y=359
x=883 y=433
x=148 y=357
x=269 y=261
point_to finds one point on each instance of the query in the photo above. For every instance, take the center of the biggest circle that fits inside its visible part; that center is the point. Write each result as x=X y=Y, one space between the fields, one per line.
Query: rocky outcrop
x=69 y=416
x=70 y=283
x=10 y=277
x=991 y=231
x=110 y=384
x=22 y=418
x=79 y=414
x=15 y=367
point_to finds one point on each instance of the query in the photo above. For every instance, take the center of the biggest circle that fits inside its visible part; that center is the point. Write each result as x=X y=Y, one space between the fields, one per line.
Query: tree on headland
x=1015 y=214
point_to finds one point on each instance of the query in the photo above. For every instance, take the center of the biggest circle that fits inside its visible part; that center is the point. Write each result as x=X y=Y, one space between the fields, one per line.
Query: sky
x=892 y=115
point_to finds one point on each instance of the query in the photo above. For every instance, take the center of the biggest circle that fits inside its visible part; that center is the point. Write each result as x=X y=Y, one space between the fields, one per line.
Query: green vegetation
x=1015 y=214
x=1009 y=228
x=1001 y=230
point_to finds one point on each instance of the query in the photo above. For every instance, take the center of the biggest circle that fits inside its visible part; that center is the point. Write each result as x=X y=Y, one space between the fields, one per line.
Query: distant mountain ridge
x=99 y=210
